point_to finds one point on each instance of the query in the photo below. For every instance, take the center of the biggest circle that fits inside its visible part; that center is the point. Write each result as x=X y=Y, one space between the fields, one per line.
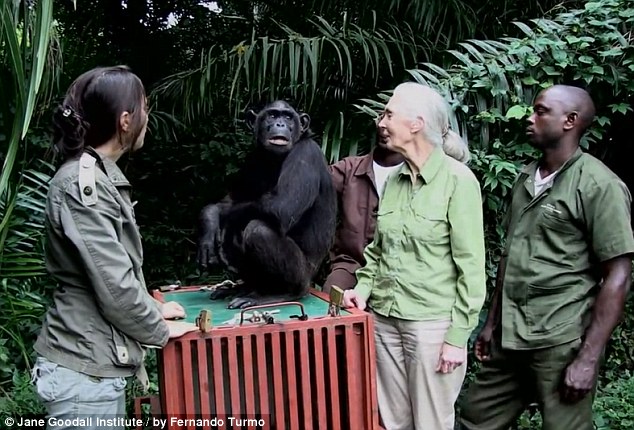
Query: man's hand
x=579 y=379
x=171 y=310
x=450 y=358
x=352 y=299
x=179 y=328
x=483 y=343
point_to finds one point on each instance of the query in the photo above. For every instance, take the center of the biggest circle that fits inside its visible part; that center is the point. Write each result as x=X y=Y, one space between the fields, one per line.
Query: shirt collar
x=429 y=169
x=531 y=168
x=365 y=166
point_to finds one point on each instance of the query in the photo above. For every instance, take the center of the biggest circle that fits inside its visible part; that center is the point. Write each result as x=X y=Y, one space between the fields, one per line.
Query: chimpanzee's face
x=278 y=126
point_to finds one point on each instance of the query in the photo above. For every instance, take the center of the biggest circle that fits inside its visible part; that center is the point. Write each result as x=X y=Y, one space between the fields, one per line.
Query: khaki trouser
x=411 y=394
x=511 y=380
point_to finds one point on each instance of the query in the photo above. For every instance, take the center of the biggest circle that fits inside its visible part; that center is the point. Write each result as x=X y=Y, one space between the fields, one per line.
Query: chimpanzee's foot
x=225 y=291
x=245 y=301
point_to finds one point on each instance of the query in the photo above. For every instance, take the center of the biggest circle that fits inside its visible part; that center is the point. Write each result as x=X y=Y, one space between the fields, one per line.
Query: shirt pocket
x=558 y=241
x=549 y=309
x=428 y=224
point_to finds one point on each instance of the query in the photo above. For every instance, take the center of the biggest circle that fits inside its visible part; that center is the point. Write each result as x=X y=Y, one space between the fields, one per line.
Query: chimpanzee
x=277 y=223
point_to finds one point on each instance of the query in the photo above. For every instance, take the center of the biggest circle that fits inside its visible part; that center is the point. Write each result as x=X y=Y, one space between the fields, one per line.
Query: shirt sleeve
x=338 y=174
x=607 y=207
x=365 y=275
x=121 y=297
x=468 y=253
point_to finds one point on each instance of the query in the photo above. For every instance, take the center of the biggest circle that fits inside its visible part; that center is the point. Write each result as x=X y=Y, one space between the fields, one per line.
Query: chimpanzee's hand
x=207 y=254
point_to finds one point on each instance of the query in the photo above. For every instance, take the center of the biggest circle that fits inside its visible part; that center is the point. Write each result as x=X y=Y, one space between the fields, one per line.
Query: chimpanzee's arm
x=297 y=187
x=208 y=228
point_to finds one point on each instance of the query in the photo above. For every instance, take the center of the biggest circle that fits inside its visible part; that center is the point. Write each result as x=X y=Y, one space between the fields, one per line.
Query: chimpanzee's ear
x=251 y=116
x=304 y=120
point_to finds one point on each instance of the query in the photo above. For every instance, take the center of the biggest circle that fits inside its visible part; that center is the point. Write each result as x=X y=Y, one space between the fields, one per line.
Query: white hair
x=418 y=101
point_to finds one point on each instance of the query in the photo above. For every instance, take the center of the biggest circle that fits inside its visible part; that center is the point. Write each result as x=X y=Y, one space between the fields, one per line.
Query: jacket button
x=87 y=190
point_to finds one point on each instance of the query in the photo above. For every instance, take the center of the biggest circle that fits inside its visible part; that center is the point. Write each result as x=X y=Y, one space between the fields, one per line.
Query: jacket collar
x=110 y=168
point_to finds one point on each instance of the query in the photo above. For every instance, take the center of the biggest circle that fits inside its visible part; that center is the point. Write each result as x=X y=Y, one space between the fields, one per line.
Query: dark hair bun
x=69 y=131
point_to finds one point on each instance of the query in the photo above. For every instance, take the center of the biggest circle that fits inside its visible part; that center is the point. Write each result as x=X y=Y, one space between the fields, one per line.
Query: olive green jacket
x=102 y=314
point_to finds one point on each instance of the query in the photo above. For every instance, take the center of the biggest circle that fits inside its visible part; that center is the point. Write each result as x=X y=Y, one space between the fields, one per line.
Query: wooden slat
x=320 y=379
x=188 y=384
x=306 y=387
x=219 y=393
x=277 y=379
x=248 y=383
x=171 y=380
x=292 y=380
x=263 y=386
x=354 y=386
x=369 y=349
x=334 y=378
x=203 y=379
x=234 y=376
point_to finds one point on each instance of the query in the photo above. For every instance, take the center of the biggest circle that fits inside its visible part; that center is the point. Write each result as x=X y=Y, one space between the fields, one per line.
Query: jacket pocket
x=45 y=379
x=127 y=352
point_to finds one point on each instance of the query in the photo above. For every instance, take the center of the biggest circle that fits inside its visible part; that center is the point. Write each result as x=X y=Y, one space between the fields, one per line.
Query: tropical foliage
x=204 y=63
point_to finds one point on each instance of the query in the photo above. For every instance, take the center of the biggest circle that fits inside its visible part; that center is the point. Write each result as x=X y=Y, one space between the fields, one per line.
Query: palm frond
x=23 y=227
x=298 y=67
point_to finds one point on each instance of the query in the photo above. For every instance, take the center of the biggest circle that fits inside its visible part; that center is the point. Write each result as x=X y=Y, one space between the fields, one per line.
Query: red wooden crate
x=318 y=373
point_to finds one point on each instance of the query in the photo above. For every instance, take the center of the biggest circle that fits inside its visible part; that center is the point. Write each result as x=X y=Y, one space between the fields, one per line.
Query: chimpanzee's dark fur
x=277 y=223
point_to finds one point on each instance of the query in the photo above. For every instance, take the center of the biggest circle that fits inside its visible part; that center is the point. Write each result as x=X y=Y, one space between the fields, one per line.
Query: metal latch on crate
x=203 y=320
x=336 y=301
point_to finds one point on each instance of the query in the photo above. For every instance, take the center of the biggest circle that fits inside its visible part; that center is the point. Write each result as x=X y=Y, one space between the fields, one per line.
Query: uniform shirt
x=427 y=259
x=554 y=244
x=353 y=178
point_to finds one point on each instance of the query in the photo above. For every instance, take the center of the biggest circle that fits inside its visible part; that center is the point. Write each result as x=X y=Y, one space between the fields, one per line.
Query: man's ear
x=304 y=120
x=251 y=116
x=571 y=120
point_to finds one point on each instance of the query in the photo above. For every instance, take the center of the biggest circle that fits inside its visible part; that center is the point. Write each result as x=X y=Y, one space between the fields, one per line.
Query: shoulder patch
x=87 y=179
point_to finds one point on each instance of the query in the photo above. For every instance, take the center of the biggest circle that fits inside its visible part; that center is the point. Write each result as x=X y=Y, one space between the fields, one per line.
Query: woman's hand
x=171 y=310
x=352 y=299
x=451 y=357
x=179 y=328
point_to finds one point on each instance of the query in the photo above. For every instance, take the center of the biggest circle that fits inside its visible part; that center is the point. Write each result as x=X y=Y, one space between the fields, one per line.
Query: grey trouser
x=411 y=394
x=74 y=400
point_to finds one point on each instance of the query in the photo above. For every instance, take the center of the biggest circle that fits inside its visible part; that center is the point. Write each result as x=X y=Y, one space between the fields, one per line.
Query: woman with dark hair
x=102 y=318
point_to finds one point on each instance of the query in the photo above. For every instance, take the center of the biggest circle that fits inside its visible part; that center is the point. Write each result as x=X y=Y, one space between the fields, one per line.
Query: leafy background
x=204 y=63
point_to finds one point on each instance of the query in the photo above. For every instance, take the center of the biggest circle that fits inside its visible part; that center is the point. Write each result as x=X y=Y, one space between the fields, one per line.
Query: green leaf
x=597 y=70
x=620 y=107
x=614 y=52
x=530 y=81
x=517 y=112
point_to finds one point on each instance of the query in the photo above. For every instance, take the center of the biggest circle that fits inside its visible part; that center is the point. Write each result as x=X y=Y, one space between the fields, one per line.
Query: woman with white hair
x=424 y=279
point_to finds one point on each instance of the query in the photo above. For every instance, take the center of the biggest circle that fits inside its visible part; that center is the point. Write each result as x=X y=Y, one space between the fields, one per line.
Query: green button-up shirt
x=427 y=259
x=555 y=241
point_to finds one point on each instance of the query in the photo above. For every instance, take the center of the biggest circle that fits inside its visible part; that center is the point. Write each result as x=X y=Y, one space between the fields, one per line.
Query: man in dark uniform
x=562 y=280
